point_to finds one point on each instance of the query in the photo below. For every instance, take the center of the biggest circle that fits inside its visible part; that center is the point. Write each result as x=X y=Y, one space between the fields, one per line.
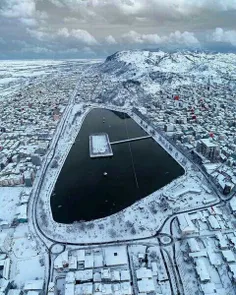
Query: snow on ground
x=26 y=269
x=22 y=245
x=9 y=198
x=27 y=263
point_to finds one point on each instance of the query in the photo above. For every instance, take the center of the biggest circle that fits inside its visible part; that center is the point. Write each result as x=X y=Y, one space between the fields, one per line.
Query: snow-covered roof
x=97 y=277
x=126 y=288
x=6 y=269
x=88 y=261
x=69 y=289
x=185 y=223
x=33 y=293
x=193 y=245
x=70 y=277
x=72 y=262
x=228 y=255
x=143 y=272
x=34 y=285
x=233 y=204
x=84 y=289
x=124 y=275
x=116 y=255
x=104 y=289
x=22 y=211
x=98 y=259
x=214 y=258
x=208 y=288
x=14 y=292
x=213 y=222
x=146 y=285
x=84 y=275
x=80 y=255
x=222 y=241
x=115 y=275
x=61 y=259
x=202 y=270
x=106 y=273
x=232 y=268
x=4 y=284
x=208 y=142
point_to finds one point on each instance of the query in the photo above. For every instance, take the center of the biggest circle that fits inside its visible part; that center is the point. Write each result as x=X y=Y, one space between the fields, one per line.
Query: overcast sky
x=97 y=28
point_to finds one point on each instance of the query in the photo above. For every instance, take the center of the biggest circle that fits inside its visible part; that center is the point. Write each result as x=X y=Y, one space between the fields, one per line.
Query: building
x=82 y=276
x=5 y=285
x=34 y=285
x=21 y=215
x=186 y=225
x=214 y=224
x=228 y=256
x=69 y=289
x=17 y=292
x=209 y=149
x=232 y=205
x=115 y=256
x=202 y=270
x=61 y=261
x=85 y=289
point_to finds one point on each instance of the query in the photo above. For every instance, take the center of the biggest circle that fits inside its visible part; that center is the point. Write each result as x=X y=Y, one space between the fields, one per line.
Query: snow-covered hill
x=143 y=74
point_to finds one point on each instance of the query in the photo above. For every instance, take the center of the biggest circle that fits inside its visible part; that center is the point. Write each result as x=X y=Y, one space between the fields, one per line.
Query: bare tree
x=112 y=233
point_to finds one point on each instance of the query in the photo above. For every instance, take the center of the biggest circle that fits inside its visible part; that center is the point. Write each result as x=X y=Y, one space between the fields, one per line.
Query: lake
x=136 y=169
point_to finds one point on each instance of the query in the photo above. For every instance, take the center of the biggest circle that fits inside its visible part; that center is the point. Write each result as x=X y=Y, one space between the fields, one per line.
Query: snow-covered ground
x=27 y=258
x=128 y=79
x=9 y=199
x=17 y=74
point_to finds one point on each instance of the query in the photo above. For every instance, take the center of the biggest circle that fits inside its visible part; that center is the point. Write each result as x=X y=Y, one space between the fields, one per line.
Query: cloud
x=82 y=36
x=39 y=34
x=30 y=22
x=186 y=38
x=143 y=8
x=70 y=19
x=2 y=41
x=134 y=37
x=69 y=51
x=63 y=32
x=37 y=49
x=18 y=8
x=110 y=40
x=219 y=35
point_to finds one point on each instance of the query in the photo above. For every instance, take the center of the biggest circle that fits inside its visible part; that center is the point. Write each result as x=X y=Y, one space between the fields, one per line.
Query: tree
x=128 y=224
x=112 y=233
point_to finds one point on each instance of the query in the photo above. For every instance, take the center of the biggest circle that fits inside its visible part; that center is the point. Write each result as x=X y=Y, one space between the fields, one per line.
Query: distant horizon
x=205 y=50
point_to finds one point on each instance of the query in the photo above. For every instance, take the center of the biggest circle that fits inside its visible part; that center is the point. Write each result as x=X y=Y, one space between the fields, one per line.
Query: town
x=179 y=239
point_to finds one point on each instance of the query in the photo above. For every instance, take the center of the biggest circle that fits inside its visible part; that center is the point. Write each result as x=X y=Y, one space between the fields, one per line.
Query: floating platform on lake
x=99 y=145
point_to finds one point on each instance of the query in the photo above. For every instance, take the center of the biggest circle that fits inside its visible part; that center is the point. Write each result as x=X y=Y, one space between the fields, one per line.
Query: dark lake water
x=137 y=169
